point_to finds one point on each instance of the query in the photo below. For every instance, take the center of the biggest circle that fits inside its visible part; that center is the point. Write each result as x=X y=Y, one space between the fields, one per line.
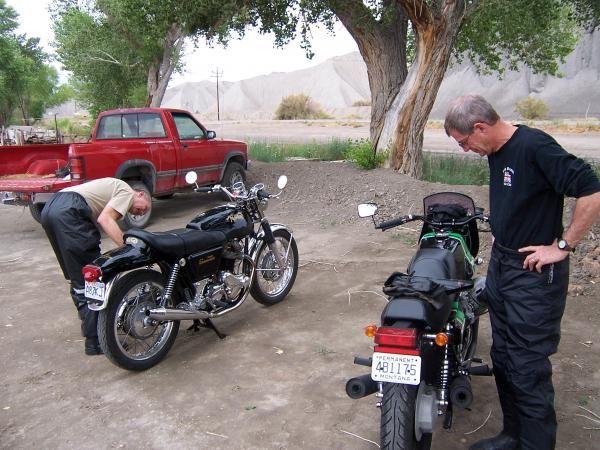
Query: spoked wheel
x=272 y=283
x=128 y=337
x=398 y=419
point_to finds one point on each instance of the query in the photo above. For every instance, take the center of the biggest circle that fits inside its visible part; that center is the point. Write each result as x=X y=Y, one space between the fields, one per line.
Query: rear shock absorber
x=445 y=375
x=170 y=284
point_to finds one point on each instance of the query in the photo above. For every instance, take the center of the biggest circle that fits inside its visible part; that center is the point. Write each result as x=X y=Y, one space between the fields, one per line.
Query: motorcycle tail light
x=396 y=337
x=91 y=273
x=370 y=330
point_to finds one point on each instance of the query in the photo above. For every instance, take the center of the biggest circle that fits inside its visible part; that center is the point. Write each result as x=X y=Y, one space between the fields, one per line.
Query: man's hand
x=541 y=255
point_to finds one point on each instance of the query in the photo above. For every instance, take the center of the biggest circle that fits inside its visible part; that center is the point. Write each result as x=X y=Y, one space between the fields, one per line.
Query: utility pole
x=216 y=74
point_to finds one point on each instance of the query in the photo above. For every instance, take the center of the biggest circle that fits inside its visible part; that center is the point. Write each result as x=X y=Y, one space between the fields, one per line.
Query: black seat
x=433 y=263
x=179 y=242
x=416 y=309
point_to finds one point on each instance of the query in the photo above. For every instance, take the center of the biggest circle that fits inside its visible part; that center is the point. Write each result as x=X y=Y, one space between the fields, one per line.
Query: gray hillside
x=339 y=82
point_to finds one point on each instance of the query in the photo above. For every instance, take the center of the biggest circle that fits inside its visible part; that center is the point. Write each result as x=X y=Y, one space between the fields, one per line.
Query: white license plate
x=393 y=368
x=95 y=290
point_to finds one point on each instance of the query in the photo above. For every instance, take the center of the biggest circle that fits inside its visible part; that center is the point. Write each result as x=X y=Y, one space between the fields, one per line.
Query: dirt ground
x=277 y=381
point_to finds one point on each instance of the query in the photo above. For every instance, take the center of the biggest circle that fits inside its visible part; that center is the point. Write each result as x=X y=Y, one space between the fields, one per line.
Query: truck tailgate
x=33 y=184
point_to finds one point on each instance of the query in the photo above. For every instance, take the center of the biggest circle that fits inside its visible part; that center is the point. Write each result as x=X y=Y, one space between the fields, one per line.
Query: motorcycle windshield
x=449 y=198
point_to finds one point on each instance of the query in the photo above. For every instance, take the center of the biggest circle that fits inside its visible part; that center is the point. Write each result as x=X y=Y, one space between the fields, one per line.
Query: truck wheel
x=233 y=174
x=36 y=211
x=131 y=221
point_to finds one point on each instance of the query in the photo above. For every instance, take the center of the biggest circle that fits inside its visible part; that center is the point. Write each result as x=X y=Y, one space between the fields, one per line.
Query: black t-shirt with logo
x=529 y=177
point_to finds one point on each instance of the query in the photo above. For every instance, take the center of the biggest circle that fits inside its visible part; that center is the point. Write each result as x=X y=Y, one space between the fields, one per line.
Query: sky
x=252 y=56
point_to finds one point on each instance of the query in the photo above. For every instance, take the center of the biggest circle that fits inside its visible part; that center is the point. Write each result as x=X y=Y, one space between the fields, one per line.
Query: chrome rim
x=271 y=279
x=138 y=336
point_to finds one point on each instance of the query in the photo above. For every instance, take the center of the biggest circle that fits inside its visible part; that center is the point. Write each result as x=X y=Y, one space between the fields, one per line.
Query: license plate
x=95 y=290
x=393 y=368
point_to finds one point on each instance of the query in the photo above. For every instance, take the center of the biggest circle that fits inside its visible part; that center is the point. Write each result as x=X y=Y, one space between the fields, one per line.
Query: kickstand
x=206 y=323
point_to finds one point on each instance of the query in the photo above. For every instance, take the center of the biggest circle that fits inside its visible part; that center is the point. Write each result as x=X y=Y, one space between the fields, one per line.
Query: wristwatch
x=564 y=245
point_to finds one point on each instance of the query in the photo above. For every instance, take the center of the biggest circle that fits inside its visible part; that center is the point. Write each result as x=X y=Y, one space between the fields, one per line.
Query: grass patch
x=455 y=170
x=332 y=151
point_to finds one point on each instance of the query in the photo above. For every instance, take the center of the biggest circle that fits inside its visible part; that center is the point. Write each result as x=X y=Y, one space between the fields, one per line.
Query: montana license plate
x=393 y=368
x=95 y=290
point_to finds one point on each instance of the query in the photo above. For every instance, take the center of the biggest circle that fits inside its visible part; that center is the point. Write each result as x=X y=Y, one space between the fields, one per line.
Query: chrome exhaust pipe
x=176 y=314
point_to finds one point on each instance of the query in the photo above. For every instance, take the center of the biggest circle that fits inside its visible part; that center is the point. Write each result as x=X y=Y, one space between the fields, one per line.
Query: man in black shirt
x=528 y=274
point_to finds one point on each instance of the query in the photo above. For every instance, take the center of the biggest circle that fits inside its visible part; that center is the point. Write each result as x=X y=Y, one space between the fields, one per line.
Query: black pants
x=66 y=219
x=525 y=311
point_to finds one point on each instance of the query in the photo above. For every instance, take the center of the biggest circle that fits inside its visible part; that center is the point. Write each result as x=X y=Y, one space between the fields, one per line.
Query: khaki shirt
x=105 y=192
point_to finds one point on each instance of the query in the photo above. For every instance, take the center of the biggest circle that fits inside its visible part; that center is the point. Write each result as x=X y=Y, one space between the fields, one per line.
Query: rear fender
x=99 y=305
x=124 y=259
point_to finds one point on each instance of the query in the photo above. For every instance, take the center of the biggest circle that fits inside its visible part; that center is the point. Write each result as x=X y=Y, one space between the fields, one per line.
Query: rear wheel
x=272 y=283
x=133 y=221
x=398 y=419
x=127 y=336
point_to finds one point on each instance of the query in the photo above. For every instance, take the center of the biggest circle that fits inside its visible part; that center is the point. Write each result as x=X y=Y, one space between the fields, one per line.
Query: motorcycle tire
x=398 y=419
x=126 y=338
x=269 y=285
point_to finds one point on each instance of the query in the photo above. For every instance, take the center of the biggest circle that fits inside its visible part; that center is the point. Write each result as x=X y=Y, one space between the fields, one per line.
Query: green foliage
x=455 y=170
x=363 y=156
x=27 y=82
x=332 y=151
x=499 y=35
x=362 y=103
x=531 y=108
x=299 y=106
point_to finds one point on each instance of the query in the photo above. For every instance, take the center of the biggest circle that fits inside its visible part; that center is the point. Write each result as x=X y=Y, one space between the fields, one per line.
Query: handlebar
x=386 y=225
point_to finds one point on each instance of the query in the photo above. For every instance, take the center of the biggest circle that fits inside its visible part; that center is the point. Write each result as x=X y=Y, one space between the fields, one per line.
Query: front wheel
x=398 y=419
x=127 y=336
x=272 y=283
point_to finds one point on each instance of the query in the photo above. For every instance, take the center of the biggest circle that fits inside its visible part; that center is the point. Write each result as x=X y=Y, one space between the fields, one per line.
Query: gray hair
x=465 y=111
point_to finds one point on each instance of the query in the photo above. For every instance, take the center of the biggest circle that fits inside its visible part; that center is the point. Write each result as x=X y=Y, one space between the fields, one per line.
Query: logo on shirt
x=508 y=174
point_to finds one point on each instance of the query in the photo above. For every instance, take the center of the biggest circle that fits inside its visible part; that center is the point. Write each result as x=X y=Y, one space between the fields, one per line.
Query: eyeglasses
x=463 y=143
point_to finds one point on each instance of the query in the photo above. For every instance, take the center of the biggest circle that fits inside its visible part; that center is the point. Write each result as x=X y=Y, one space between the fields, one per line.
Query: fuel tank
x=440 y=258
x=225 y=218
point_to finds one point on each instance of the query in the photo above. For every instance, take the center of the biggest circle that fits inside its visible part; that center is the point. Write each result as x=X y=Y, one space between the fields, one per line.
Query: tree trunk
x=401 y=101
x=382 y=46
x=159 y=75
x=436 y=29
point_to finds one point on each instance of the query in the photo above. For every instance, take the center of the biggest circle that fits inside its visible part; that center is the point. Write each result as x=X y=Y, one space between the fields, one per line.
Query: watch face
x=562 y=244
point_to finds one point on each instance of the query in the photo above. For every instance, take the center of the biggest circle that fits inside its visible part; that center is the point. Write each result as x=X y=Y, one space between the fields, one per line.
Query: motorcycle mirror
x=191 y=177
x=367 y=209
x=282 y=182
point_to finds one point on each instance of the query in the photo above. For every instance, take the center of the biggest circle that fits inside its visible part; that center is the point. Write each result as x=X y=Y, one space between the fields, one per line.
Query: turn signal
x=91 y=273
x=441 y=339
x=370 y=330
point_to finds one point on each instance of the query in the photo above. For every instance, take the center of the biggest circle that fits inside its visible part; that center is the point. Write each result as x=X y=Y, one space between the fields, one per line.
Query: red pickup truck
x=150 y=148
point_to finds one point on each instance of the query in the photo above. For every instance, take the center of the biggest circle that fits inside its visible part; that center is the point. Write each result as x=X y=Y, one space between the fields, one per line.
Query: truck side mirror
x=210 y=134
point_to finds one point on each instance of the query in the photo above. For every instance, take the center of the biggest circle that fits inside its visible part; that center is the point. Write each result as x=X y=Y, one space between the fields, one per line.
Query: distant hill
x=339 y=82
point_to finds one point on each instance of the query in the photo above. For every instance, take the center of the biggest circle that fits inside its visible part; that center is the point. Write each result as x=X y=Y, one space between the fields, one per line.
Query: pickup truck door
x=197 y=152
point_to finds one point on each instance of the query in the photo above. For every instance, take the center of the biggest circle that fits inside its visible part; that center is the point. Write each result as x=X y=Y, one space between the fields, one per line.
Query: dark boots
x=92 y=346
x=499 y=442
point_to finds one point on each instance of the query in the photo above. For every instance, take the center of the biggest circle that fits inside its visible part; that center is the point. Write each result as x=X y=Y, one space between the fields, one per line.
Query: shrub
x=362 y=155
x=362 y=103
x=531 y=108
x=299 y=107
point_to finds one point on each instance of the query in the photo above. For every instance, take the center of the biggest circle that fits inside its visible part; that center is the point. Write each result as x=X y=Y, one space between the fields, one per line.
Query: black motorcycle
x=424 y=351
x=203 y=271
